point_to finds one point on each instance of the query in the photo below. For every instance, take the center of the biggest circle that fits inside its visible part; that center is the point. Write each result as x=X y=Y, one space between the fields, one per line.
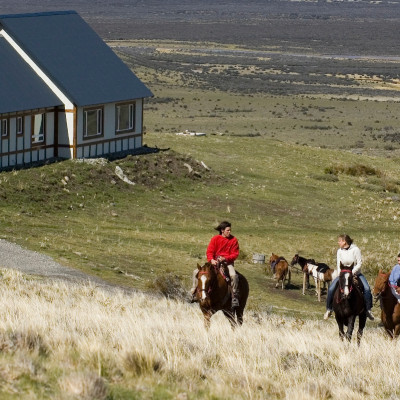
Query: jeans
x=367 y=292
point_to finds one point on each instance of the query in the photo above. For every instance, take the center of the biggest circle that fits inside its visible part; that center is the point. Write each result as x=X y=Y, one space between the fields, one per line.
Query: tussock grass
x=71 y=341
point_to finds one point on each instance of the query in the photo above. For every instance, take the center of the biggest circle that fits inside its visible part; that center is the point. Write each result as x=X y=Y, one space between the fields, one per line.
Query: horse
x=319 y=271
x=348 y=303
x=214 y=294
x=280 y=269
x=390 y=307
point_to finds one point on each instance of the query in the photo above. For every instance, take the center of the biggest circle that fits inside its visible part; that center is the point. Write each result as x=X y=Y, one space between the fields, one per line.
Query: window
x=125 y=117
x=20 y=125
x=92 y=122
x=38 y=128
x=4 y=127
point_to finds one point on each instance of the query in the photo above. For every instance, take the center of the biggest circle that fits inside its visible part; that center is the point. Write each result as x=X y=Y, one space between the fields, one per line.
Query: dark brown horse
x=390 y=307
x=214 y=294
x=280 y=269
x=348 y=303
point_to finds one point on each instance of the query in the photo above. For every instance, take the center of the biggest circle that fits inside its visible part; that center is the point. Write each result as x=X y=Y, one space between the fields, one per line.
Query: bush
x=353 y=170
x=170 y=285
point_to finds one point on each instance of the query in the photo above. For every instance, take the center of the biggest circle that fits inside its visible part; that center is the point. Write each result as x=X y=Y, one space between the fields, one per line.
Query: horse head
x=346 y=281
x=206 y=278
x=273 y=258
x=381 y=284
x=295 y=260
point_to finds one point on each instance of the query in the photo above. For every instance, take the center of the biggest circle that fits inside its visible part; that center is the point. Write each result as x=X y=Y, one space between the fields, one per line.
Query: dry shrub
x=27 y=341
x=140 y=363
x=85 y=386
x=352 y=170
x=169 y=285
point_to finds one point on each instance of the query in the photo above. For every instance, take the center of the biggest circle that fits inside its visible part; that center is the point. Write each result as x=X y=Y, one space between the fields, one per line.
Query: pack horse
x=321 y=272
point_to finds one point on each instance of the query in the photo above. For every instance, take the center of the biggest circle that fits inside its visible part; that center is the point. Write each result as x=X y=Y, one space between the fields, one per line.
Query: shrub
x=169 y=285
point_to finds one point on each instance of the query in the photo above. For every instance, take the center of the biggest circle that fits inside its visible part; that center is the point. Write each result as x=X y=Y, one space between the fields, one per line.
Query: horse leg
x=231 y=318
x=207 y=316
x=319 y=289
x=396 y=332
x=239 y=315
x=341 y=331
x=362 y=320
x=350 y=328
x=304 y=283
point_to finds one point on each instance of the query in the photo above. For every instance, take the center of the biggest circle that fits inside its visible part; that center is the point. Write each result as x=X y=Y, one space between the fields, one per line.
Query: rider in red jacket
x=222 y=248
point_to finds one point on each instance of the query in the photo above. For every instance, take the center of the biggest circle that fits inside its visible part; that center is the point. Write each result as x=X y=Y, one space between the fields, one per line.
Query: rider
x=348 y=254
x=222 y=248
x=394 y=279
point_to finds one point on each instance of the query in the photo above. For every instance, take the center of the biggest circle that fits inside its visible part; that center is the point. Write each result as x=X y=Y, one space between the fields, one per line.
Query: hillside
x=280 y=197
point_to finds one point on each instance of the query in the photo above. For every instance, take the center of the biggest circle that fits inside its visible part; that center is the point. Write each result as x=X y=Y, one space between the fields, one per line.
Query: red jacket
x=222 y=246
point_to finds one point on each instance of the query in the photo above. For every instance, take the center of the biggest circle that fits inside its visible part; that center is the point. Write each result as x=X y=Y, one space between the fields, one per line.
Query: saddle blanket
x=316 y=271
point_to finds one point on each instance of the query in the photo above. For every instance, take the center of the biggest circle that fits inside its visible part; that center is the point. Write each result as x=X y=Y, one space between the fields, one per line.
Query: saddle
x=321 y=267
x=222 y=269
x=358 y=284
x=275 y=263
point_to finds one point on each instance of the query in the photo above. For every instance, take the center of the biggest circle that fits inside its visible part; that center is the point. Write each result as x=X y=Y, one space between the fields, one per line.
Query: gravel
x=31 y=262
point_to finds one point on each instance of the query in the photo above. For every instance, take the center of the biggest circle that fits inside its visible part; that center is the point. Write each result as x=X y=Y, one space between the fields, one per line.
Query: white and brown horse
x=321 y=272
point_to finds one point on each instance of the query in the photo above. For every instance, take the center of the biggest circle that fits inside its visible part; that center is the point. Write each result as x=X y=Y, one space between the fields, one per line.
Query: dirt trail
x=31 y=262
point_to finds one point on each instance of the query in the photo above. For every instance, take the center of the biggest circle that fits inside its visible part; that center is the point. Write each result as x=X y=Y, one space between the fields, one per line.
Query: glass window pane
x=38 y=128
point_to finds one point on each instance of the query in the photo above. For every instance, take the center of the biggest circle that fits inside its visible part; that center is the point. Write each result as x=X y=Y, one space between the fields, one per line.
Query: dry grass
x=69 y=341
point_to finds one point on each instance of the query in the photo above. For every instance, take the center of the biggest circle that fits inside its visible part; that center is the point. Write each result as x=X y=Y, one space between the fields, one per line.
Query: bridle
x=210 y=287
x=350 y=286
x=380 y=294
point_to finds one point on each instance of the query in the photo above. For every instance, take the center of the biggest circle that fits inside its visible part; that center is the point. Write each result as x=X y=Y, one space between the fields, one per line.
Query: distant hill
x=345 y=27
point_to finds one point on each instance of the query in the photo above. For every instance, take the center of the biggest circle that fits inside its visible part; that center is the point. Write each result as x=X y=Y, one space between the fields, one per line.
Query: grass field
x=281 y=194
x=68 y=341
x=287 y=185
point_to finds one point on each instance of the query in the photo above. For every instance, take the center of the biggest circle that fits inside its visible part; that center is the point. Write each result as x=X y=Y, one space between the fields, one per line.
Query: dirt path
x=31 y=262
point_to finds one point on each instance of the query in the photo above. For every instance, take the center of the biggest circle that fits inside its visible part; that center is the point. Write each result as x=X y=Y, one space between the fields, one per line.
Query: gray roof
x=21 y=89
x=74 y=57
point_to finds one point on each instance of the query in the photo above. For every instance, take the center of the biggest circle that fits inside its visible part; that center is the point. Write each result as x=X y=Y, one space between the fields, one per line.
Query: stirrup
x=235 y=302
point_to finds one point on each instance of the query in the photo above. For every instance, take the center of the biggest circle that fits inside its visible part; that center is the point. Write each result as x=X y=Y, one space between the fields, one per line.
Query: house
x=63 y=92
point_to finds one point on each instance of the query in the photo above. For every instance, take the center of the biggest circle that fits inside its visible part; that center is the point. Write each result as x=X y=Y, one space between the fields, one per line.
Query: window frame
x=4 y=122
x=99 y=122
x=131 y=115
x=38 y=139
x=20 y=123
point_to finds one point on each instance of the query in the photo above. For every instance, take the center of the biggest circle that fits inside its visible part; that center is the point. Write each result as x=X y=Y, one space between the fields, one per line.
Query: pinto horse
x=348 y=303
x=319 y=271
x=214 y=294
x=390 y=307
x=280 y=269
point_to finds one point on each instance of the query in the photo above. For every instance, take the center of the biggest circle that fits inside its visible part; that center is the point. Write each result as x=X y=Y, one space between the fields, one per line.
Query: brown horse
x=390 y=307
x=280 y=269
x=348 y=303
x=214 y=294
x=321 y=272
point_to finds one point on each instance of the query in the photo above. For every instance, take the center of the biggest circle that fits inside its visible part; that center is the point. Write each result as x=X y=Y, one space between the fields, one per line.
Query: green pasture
x=278 y=197
x=268 y=164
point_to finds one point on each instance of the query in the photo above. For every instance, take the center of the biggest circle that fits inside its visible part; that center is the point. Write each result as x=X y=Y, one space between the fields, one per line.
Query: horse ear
x=198 y=266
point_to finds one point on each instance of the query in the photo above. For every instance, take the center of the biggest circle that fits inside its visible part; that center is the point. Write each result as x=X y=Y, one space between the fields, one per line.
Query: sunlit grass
x=72 y=341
